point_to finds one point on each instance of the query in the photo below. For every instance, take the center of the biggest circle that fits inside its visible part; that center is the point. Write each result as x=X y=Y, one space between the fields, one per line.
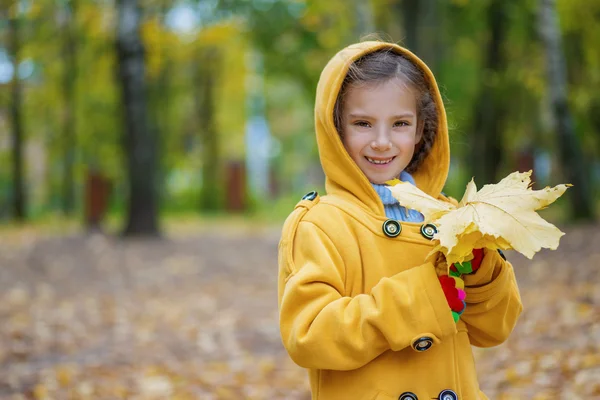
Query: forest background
x=218 y=103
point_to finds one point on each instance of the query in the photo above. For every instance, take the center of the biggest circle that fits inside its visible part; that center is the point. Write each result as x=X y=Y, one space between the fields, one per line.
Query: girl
x=359 y=306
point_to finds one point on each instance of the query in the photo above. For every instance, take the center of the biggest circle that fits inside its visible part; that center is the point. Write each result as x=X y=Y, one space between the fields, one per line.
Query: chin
x=380 y=181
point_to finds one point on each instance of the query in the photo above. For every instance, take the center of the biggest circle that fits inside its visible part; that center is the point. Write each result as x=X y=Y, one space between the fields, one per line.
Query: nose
x=382 y=142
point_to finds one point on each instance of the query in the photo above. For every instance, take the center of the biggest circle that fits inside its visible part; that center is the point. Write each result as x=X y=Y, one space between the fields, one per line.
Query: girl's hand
x=468 y=267
x=452 y=284
x=441 y=266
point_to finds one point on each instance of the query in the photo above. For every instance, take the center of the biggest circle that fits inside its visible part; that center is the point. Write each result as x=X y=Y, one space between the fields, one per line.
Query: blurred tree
x=219 y=67
x=364 y=22
x=205 y=81
x=410 y=12
x=296 y=38
x=43 y=101
x=489 y=70
x=19 y=200
x=489 y=110
x=568 y=143
x=432 y=23
x=69 y=138
x=580 y=28
x=385 y=13
x=99 y=122
x=417 y=24
x=519 y=90
x=140 y=140
x=159 y=71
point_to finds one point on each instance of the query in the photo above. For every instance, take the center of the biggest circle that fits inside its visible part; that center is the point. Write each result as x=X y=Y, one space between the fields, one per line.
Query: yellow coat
x=363 y=311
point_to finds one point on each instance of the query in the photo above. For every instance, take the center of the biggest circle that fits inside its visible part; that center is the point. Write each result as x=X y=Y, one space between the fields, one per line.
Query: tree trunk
x=19 y=197
x=429 y=38
x=568 y=143
x=69 y=79
x=489 y=111
x=140 y=141
x=161 y=99
x=206 y=76
x=421 y=26
x=410 y=10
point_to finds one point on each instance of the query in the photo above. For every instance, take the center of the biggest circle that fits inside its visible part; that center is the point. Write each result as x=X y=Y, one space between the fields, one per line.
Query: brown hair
x=383 y=65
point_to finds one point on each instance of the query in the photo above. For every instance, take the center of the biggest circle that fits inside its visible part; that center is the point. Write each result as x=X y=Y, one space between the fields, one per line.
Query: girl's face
x=380 y=129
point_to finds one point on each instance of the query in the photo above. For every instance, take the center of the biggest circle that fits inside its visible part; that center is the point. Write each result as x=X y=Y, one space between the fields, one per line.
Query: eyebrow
x=399 y=116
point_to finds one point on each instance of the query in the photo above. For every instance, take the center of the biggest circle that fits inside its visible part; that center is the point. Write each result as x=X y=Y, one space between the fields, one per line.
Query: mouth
x=380 y=161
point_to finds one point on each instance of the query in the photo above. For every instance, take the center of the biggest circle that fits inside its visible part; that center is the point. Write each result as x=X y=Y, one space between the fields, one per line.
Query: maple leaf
x=499 y=216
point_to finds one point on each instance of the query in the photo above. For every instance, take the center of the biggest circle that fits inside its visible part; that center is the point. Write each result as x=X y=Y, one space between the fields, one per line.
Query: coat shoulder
x=324 y=218
x=311 y=209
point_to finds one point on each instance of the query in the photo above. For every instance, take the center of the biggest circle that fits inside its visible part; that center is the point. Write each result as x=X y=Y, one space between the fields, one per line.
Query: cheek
x=355 y=143
x=407 y=138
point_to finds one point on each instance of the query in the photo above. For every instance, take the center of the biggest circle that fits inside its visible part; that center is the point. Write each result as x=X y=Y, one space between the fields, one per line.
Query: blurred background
x=190 y=107
x=150 y=151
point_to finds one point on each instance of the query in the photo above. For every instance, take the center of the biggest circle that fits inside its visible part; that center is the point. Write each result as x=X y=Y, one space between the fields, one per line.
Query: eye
x=402 y=123
x=363 y=124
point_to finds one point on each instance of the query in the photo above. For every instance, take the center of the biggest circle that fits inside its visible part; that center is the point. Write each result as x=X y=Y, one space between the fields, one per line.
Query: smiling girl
x=359 y=305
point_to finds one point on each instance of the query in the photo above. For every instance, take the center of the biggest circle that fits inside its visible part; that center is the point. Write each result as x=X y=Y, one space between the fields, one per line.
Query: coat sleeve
x=322 y=328
x=493 y=301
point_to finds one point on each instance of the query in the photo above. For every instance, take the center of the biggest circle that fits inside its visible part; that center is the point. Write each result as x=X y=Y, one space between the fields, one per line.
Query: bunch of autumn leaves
x=500 y=216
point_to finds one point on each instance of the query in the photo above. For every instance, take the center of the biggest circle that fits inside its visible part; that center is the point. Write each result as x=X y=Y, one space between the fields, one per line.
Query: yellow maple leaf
x=412 y=197
x=499 y=216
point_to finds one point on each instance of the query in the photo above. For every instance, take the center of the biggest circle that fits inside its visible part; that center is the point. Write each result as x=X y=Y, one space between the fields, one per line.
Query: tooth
x=371 y=160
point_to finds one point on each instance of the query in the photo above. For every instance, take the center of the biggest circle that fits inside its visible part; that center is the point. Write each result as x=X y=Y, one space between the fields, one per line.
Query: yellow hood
x=343 y=177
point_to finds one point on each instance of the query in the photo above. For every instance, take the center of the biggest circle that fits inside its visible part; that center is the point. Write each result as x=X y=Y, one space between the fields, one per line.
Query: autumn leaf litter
x=195 y=317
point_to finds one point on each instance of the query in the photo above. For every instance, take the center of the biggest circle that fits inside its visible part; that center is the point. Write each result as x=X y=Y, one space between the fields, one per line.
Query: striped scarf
x=392 y=207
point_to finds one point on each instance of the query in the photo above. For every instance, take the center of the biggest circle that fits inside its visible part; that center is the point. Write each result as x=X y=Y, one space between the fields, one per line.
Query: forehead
x=390 y=94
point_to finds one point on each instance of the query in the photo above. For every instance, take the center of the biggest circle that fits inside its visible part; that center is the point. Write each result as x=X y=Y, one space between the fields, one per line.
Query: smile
x=380 y=161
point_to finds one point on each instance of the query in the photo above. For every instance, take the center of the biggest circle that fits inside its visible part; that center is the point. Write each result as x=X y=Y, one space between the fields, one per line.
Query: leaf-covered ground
x=194 y=317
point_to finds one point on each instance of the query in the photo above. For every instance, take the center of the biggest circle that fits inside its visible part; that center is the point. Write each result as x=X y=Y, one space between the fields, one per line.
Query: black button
x=408 y=396
x=428 y=230
x=447 y=395
x=310 y=196
x=423 y=344
x=392 y=228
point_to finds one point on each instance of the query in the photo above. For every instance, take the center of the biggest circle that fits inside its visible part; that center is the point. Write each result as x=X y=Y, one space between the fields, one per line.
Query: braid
x=428 y=116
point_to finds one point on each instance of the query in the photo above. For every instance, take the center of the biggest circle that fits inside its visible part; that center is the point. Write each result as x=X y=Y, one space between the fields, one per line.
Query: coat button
x=408 y=396
x=502 y=254
x=428 y=230
x=422 y=344
x=447 y=395
x=392 y=228
x=310 y=196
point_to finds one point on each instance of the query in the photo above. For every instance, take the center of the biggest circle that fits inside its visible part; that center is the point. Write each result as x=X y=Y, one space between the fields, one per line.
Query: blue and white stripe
x=392 y=207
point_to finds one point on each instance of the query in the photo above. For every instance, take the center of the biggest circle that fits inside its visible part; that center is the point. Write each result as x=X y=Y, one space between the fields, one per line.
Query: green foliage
x=295 y=38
